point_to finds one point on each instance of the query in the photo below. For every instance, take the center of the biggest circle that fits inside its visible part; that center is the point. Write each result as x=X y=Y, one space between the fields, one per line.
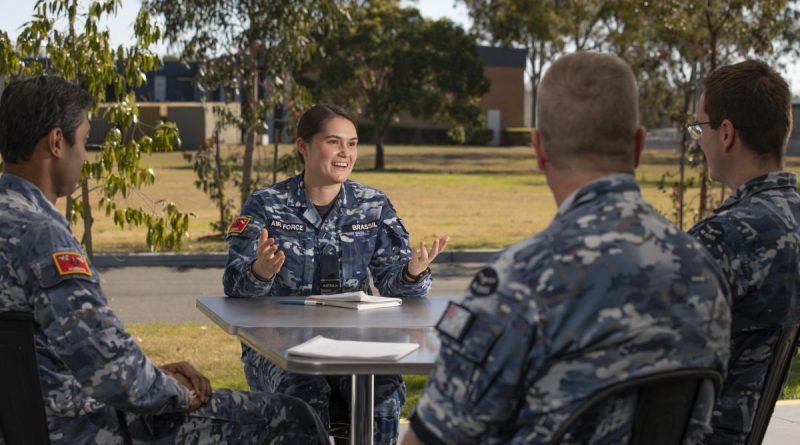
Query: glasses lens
x=695 y=130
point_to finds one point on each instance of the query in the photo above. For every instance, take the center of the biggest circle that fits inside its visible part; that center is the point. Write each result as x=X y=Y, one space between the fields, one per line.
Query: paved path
x=167 y=295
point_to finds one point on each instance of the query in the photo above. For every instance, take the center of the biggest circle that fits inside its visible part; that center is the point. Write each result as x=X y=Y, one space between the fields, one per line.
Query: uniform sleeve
x=478 y=382
x=391 y=254
x=81 y=329
x=238 y=279
x=722 y=239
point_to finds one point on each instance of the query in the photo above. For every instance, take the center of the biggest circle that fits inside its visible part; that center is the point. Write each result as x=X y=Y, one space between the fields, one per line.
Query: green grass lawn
x=216 y=354
x=483 y=197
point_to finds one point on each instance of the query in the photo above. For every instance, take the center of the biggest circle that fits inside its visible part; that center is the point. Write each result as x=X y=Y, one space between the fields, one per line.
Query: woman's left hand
x=422 y=258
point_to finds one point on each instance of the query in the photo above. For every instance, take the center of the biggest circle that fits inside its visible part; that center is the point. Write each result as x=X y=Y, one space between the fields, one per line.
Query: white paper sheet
x=323 y=347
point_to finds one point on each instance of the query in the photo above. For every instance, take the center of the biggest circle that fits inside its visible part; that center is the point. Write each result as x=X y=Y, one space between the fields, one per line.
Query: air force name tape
x=287 y=227
x=238 y=225
x=455 y=321
x=485 y=282
x=69 y=263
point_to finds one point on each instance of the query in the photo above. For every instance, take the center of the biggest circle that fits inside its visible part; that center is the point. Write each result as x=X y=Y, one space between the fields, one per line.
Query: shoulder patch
x=239 y=224
x=455 y=321
x=71 y=263
x=485 y=282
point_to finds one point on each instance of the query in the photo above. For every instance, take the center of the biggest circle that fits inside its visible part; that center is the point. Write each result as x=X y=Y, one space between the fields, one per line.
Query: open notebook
x=323 y=347
x=353 y=300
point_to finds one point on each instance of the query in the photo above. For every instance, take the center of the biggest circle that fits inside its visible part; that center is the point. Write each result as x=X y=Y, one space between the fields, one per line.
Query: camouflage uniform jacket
x=361 y=233
x=87 y=362
x=755 y=238
x=608 y=292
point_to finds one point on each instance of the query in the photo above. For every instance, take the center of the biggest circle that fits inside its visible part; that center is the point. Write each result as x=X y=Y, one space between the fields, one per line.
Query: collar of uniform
x=297 y=196
x=32 y=193
x=614 y=183
x=770 y=181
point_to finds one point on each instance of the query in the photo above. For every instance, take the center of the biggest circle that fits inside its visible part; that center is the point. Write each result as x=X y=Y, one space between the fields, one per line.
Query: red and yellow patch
x=239 y=224
x=71 y=263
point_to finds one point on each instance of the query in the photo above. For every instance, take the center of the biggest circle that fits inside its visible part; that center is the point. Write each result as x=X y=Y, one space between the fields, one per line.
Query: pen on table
x=301 y=302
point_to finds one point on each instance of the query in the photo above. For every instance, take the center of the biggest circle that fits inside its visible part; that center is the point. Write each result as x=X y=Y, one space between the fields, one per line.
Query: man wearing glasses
x=743 y=124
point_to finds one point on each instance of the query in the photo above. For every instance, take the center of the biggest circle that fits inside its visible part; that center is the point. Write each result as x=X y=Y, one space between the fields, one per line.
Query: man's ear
x=638 y=144
x=55 y=143
x=727 y=134
x=541 y=155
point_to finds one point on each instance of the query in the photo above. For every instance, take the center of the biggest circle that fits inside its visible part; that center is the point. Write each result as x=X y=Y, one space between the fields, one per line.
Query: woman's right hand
x=268 y=259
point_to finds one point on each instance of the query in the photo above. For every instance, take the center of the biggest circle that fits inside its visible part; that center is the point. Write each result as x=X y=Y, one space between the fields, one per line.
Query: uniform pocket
x=470 y=358
x=297 y=270
x=357 y=249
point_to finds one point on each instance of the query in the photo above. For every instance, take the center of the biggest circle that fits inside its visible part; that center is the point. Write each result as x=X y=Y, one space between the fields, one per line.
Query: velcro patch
x=360 y=227
x=71 y=263
x=287 y=227
x=239 y=224
x=455 y=321
x=485 y=282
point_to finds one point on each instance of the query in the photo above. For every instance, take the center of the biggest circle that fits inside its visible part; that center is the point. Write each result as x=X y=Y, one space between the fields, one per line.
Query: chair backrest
x=665 y=404
x=784 y=352
x=22 y=415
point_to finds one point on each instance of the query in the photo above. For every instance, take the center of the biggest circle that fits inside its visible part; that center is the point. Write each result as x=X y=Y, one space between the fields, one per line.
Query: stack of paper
x=323 y=347
x=353 y=300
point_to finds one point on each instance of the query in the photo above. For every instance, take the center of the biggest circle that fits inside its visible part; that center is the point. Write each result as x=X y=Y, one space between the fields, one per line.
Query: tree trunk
x=247 y=164
x=277 y=134
x=218 y=181
x=68 y=212
x=251 y=118
x=88 y=221
x=379 y=159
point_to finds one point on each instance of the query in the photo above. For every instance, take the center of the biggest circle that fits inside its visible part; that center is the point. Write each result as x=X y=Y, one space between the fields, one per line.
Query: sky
x=122 y=25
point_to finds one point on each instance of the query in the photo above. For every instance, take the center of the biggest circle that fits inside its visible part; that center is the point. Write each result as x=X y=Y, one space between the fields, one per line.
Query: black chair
x=22 y=416
x=666 y=403
x=784 y=352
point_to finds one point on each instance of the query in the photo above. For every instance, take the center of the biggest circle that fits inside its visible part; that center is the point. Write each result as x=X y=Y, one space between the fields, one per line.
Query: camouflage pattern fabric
x=361 y=235
x=89 y=366
x=755 y=238
x=608 y=292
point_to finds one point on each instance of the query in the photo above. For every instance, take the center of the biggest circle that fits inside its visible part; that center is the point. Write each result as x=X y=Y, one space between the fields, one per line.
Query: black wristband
x=408 y=278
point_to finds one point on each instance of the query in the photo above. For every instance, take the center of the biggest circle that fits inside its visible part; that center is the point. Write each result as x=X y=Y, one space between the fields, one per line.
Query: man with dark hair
x=96 y=382
x=743 y=124
x=609 y=292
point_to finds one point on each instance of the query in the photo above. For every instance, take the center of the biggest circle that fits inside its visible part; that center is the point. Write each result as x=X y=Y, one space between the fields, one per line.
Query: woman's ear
x=301 y=146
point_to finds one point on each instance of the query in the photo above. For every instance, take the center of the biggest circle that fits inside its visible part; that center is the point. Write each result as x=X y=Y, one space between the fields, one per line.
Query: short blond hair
x=587 y=112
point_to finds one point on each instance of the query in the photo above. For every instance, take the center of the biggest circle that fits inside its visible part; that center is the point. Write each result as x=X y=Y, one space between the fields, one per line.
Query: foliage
x=80 y=52
x=250 y=48
x=679 y=43
x=671 y=44
x=546 y=28
x=390 y=61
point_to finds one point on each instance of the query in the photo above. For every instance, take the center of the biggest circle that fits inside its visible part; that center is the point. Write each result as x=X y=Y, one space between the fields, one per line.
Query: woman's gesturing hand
x=423 y=257
x=268 y=259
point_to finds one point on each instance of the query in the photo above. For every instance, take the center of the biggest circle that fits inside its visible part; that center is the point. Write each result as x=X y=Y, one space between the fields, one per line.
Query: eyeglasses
x=696 y=129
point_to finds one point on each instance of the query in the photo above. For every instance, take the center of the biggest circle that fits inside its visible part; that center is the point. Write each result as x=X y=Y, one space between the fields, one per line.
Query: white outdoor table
x=271 y=329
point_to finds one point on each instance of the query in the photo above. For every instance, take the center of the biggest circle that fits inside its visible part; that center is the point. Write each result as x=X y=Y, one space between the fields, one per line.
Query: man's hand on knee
x=191 y=378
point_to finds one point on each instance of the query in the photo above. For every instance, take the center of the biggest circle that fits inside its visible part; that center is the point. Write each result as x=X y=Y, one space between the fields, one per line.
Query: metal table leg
x=361 y=414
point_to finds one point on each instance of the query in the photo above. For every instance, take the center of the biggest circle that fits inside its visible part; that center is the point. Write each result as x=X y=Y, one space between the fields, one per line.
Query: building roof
x=505 y=57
